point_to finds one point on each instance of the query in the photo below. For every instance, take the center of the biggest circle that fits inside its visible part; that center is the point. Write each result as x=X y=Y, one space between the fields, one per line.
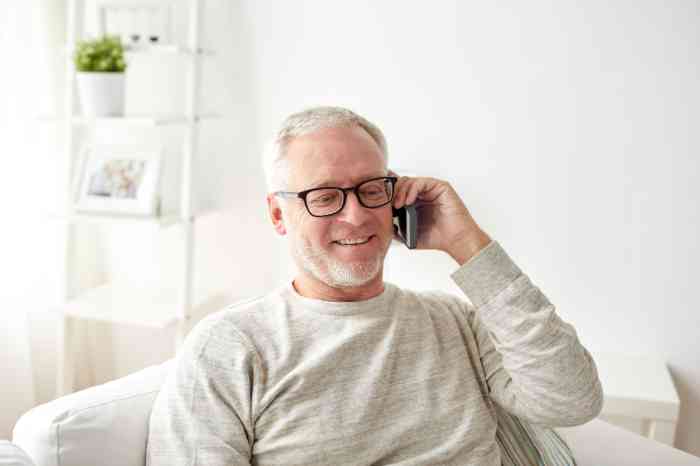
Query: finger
x=405 y=188
x=400 y=190
x=413 y=191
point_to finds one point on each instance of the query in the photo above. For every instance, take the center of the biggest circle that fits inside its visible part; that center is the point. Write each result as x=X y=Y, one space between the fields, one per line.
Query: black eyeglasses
x=325 y=201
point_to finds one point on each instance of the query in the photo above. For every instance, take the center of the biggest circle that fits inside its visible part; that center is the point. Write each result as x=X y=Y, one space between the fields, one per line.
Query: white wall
x=565 y=126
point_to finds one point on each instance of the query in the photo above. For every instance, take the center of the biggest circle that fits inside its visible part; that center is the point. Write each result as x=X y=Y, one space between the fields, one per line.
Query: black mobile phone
x=406 y=220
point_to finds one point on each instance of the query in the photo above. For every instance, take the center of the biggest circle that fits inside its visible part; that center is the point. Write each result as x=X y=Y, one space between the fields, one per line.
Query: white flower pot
x=101 y=94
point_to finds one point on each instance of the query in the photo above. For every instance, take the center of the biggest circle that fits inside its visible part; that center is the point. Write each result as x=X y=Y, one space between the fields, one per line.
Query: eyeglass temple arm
x=286 y=194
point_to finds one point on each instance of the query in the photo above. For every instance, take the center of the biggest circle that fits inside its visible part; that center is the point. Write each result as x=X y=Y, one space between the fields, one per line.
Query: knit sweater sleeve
x=203 y=413
x=534 y=364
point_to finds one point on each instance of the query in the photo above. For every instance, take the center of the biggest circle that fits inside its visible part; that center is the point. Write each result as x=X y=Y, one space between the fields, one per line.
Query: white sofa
x=12 y=455
x=108 y=425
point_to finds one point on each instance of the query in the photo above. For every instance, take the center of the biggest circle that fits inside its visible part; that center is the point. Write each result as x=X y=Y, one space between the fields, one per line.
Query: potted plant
x=100 y=69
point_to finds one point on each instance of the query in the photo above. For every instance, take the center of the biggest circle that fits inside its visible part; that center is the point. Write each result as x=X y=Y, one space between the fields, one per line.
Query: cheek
x=310 y=231
x=387 y=223
x=295 y=221
x=298 y=219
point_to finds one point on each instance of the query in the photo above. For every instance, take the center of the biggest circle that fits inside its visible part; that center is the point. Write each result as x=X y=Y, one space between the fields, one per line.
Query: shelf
x=149 y=306
x=168 y=49
x=142 y=120
x=136 y=120
x=116 y=218
x=157 y=50
x=106 y=218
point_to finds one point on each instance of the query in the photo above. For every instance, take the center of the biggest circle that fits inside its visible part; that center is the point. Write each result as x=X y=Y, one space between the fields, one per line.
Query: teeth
x=353 y=241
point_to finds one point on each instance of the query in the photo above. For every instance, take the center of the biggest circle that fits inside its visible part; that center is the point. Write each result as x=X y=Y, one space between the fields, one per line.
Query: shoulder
x=247 y=323
x=434 y=299
x=228 y=330
x=438 y=304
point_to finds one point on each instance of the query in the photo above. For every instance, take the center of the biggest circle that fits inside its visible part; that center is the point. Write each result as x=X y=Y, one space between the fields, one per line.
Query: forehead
x=333 y=157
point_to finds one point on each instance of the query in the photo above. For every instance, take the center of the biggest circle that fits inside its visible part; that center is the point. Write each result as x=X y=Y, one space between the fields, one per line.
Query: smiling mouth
x=354 y=244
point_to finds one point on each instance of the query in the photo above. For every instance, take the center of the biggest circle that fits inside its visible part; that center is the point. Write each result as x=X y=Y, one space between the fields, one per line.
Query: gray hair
x=305 y=122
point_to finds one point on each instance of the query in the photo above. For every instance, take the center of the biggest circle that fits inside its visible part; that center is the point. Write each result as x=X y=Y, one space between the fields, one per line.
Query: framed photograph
x=119 y=179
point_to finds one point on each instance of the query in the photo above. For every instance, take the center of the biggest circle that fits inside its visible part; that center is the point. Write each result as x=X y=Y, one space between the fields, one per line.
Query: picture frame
x=119 y=179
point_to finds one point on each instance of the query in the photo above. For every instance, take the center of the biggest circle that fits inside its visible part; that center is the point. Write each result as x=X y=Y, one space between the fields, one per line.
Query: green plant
x=104 y=54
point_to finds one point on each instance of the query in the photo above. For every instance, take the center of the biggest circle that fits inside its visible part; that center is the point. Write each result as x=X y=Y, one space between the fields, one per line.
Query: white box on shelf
x=140 y=24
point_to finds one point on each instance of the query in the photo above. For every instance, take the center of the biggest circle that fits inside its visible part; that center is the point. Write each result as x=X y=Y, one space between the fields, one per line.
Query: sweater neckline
x=377 y=304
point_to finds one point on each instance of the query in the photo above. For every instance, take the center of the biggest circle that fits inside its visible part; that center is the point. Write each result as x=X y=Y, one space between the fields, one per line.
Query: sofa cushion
x=106 y=424
x=598 y=443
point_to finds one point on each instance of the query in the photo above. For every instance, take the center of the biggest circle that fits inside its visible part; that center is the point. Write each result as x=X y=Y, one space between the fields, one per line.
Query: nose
x=354 y=212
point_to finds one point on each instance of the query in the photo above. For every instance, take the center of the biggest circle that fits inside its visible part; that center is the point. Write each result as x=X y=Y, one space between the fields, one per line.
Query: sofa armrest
x=598 y=443
x=106 y=424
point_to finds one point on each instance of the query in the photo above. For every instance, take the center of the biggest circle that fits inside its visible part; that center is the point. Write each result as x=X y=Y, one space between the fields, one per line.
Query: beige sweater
x=288 y=380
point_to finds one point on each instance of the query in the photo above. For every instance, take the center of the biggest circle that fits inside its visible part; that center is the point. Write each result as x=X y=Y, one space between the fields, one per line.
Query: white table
x=639 y=395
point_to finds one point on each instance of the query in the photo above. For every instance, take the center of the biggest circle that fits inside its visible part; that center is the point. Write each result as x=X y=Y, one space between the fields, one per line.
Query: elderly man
x=339 y=367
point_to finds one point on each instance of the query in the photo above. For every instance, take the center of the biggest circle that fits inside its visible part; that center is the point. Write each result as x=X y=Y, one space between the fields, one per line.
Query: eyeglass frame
x=302 y=194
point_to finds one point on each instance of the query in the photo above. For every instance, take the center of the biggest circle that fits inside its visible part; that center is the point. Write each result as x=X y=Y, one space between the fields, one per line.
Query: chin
x=339 y=274
x=351 y=275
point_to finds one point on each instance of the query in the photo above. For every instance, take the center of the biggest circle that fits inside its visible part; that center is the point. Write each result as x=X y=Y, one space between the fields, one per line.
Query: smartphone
x=406 y=220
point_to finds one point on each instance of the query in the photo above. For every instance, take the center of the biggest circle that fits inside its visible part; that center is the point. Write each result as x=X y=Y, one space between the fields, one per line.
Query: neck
x=310 y=287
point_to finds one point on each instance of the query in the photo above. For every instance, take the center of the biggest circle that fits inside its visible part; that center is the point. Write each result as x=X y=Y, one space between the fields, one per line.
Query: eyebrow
x=332 y=183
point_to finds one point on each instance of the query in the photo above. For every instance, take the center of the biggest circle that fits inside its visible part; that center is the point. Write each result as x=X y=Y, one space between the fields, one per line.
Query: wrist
x=464 y=249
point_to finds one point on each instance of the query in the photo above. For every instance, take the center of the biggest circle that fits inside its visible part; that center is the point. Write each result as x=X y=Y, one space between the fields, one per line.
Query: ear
x=275 y=212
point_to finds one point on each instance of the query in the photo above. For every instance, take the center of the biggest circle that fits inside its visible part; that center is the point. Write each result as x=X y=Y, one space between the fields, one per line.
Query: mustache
x=310 y=251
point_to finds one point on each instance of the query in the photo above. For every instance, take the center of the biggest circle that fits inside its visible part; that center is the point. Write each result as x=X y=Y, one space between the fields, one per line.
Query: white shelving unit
x=151 y=305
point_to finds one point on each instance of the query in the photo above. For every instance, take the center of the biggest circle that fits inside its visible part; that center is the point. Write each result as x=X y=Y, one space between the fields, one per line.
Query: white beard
x=333 y=272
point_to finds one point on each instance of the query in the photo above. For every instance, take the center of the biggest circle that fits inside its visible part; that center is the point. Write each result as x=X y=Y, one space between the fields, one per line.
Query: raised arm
x=535 y=366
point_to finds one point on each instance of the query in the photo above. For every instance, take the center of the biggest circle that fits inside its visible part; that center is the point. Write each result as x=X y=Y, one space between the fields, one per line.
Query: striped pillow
x=525 y=444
